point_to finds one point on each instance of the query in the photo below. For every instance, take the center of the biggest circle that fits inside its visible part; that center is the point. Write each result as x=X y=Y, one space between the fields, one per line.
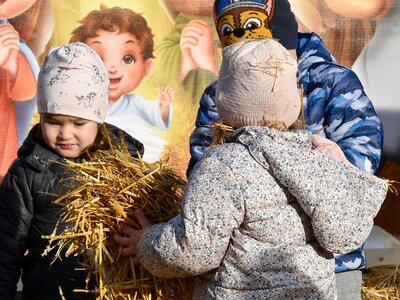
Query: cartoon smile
x=115 y=81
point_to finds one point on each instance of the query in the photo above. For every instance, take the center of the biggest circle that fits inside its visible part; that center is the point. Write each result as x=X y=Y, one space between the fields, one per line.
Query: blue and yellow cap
x=282 y=22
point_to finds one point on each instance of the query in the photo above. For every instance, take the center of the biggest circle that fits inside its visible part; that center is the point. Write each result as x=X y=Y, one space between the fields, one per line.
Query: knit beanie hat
x=274 y=19
x=73 y=81
x=257 y=85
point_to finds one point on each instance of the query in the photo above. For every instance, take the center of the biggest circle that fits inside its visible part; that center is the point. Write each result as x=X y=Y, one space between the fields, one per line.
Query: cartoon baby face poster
x=162 y=54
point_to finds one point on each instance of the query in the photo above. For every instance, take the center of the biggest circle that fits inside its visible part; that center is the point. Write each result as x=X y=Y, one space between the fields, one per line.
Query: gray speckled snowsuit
x=261 y=216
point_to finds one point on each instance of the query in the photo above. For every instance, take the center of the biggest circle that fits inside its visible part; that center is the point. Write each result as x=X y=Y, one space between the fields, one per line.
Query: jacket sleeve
x=343 y=217
x=349 y=116
x=340 y=200
x=201 y=137
x=196 y=240
x=15 y=218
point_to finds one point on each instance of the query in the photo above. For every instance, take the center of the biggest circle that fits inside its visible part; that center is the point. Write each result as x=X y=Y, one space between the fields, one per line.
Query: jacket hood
x=340 y=200
x=311 y=49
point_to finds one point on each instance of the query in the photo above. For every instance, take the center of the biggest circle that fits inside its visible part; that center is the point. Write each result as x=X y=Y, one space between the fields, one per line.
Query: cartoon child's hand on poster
x=197 y=46
x=167 y=97
x=9 y=46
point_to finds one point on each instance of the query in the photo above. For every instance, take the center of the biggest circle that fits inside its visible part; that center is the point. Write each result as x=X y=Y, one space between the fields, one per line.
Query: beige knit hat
x=257 y=84
x=73 y=81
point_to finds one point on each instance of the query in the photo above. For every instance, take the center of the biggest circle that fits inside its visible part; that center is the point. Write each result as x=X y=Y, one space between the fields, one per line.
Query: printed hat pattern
x=272 y=18
x=73 y=81
x=257 y=85
x=222 y=6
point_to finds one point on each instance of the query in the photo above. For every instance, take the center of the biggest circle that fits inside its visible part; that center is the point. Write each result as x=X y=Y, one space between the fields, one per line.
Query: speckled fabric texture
x=73 y=81
x=243 y=233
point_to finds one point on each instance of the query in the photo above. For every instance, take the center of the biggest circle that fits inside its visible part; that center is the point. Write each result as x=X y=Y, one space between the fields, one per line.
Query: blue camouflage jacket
x=335 y=107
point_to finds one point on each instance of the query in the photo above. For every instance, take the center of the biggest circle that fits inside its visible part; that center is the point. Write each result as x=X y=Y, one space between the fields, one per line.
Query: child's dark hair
x=118 y=20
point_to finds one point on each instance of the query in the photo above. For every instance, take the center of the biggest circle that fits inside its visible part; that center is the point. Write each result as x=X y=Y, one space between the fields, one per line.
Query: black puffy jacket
x=27 y=212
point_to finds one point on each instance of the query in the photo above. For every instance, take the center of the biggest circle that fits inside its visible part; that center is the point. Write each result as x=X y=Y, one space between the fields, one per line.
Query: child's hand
x=9 y=47
x=131 y=236
x=197 y=37
x=330 y=148
x=166 y=96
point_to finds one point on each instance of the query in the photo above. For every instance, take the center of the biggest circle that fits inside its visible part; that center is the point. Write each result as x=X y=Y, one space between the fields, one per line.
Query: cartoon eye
x=226 y=29
x=128 y=59
x=252 y=23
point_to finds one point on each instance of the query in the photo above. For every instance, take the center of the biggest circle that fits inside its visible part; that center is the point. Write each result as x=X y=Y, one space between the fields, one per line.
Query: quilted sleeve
x=338 y=102
x=201 y=137
x=15 y=218
x=196 y=240
x=340 y=200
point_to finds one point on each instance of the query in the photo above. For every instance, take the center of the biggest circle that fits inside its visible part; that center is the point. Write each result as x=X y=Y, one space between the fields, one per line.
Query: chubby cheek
x=48 y=135
x=126 y=85
x=88 y=139
x=91 y=138
x=134 y=76
x=88 y=144
x=129 y=85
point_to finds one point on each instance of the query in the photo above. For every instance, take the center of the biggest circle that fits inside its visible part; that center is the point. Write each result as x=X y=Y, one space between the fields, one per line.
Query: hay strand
x=381 y=282
x=110 y=186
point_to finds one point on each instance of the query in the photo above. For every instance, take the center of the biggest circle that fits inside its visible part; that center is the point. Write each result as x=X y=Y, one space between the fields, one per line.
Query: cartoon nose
x=239 y=32
x=112 y=69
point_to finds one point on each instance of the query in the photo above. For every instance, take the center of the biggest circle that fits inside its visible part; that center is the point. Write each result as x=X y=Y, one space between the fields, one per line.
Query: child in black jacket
x=72 y=103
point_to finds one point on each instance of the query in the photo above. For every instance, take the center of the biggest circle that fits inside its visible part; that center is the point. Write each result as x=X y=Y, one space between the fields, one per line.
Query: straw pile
x=111 y=186
x=381 y=282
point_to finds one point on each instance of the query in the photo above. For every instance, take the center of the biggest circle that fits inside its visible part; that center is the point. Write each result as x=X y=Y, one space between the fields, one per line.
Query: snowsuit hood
x=322 y=186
